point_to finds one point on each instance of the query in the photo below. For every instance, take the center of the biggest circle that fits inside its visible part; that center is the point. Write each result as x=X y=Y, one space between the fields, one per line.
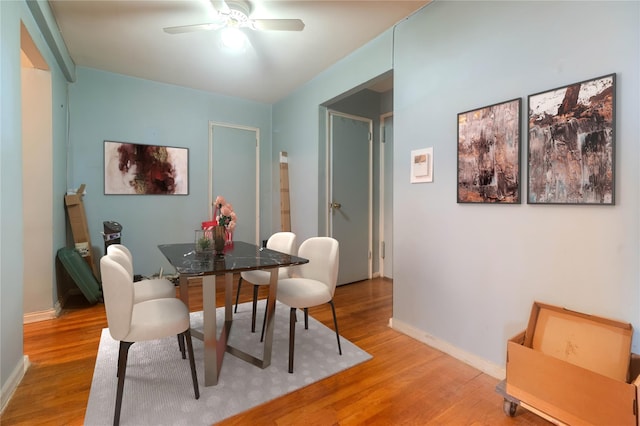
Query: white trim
x=13 y=381
x=493 y=370
x=381 y=193
x=42 y=315
x=328 y=171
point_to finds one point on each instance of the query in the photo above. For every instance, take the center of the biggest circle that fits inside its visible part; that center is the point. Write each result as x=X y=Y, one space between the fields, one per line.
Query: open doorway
x=372 y=100
x=37 y=181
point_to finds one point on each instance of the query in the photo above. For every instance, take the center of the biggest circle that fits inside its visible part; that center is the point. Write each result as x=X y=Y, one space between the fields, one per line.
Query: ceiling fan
x=235 y=14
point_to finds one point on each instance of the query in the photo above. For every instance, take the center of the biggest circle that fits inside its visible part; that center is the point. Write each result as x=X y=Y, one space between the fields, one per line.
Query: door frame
x=329 y=180
x=38 y=286
x=256 y=130
x=383 y=190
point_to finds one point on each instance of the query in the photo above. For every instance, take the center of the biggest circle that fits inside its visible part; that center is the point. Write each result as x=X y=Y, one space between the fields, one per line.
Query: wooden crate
x=574 y=367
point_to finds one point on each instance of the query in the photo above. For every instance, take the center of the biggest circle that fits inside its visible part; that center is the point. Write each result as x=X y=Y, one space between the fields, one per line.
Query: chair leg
x=292 y=337
x=181 y=345
x=238 y=295
x=306 y=318
x=192 y=362
x=122 y=367
x=255 y=309
x=335 y=323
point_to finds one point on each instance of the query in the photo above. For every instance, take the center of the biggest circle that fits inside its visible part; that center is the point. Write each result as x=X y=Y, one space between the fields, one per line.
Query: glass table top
x=237 y=257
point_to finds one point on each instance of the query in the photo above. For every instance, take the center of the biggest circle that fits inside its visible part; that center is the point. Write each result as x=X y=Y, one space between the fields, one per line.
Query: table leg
x=211 y=361
x=271 y=311
x=228 y=299
x=184 y=289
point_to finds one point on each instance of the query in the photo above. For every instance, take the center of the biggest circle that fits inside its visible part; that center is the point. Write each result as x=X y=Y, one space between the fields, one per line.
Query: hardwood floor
x=406 y=382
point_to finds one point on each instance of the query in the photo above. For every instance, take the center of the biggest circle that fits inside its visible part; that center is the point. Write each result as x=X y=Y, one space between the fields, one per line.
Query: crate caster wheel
x=509 y=407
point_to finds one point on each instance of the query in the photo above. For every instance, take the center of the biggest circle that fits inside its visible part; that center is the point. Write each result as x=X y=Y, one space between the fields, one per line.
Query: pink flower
x=226 y=210
x=224 y=214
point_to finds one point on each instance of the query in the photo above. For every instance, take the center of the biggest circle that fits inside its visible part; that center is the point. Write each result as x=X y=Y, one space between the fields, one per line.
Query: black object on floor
x=79 y=272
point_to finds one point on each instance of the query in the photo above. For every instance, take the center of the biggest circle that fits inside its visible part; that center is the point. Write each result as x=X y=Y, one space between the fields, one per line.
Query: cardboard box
x=78 y=221
x=574 y=368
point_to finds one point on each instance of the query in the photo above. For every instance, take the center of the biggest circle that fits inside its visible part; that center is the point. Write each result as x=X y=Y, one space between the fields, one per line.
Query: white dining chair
x=146 y=289
x=131 y=322
x=314 y=284
x=284 y=242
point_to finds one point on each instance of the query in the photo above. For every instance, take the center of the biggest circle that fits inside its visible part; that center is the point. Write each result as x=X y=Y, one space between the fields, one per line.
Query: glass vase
x=204 y=241
x=219 y=238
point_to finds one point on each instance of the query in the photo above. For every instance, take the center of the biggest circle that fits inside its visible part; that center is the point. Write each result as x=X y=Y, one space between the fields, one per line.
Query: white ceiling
x=127 y=37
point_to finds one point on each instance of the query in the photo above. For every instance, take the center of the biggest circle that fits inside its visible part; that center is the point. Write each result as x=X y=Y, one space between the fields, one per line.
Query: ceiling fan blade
x=220 y=6
x=192 y=28
x=278 y=24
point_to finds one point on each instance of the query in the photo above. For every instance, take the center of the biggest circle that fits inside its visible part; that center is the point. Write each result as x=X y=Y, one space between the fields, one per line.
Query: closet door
x=234 y=169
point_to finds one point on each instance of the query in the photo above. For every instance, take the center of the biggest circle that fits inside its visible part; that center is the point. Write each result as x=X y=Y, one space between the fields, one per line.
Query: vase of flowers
x=223 y=215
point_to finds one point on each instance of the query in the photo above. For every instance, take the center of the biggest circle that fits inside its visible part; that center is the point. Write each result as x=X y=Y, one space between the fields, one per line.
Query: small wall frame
x=489 y=154
x=571 y=145
x=422 y=165
x=131 y=169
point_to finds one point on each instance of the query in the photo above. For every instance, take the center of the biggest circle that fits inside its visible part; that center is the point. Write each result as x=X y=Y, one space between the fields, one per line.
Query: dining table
x=236 y=257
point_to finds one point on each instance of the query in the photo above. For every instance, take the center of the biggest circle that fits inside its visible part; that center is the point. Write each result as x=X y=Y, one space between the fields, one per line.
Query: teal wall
x=105 y=106
x=298 y=129
x=466 y=275
x=12 y=260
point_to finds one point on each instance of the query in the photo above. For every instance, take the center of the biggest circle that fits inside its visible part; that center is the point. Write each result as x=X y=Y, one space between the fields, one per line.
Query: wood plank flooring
x=406 y=382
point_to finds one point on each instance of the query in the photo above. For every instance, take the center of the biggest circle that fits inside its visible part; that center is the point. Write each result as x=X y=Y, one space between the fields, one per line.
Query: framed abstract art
x=131 y=168
x=571 y=148
x=489 y=154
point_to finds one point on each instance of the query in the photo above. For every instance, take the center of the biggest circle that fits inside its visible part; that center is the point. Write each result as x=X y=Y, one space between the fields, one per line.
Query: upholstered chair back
x=118 y=294
x=284 y=242
x=122 y=259
x=323 y=253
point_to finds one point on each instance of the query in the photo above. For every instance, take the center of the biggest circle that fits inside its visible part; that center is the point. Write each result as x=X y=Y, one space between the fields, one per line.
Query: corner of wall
x=10 y=386
x=475 y=361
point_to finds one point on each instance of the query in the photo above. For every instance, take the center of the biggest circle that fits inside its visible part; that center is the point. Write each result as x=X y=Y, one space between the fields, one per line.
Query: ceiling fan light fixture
x=233 y=39
x=237 y=18
x=236 y=14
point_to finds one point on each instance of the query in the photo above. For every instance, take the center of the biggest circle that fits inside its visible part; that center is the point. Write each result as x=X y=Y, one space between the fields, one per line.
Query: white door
x=233 y=174
x=350 y=193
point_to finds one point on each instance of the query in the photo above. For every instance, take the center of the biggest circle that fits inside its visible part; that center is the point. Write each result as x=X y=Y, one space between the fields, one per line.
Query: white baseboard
x=42 y=315
x=481 y=364
x=13 y=381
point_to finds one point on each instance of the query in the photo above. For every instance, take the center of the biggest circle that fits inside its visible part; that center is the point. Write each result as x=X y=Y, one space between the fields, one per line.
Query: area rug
x=158 y=389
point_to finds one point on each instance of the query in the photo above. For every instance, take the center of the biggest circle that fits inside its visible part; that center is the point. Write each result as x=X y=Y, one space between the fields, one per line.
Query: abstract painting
x=131 y=168
x=489 y=154
x=572 y=144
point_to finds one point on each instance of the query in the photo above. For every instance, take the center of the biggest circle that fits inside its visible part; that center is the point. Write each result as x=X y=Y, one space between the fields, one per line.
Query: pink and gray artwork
x=571 y=144
x=489 y=154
